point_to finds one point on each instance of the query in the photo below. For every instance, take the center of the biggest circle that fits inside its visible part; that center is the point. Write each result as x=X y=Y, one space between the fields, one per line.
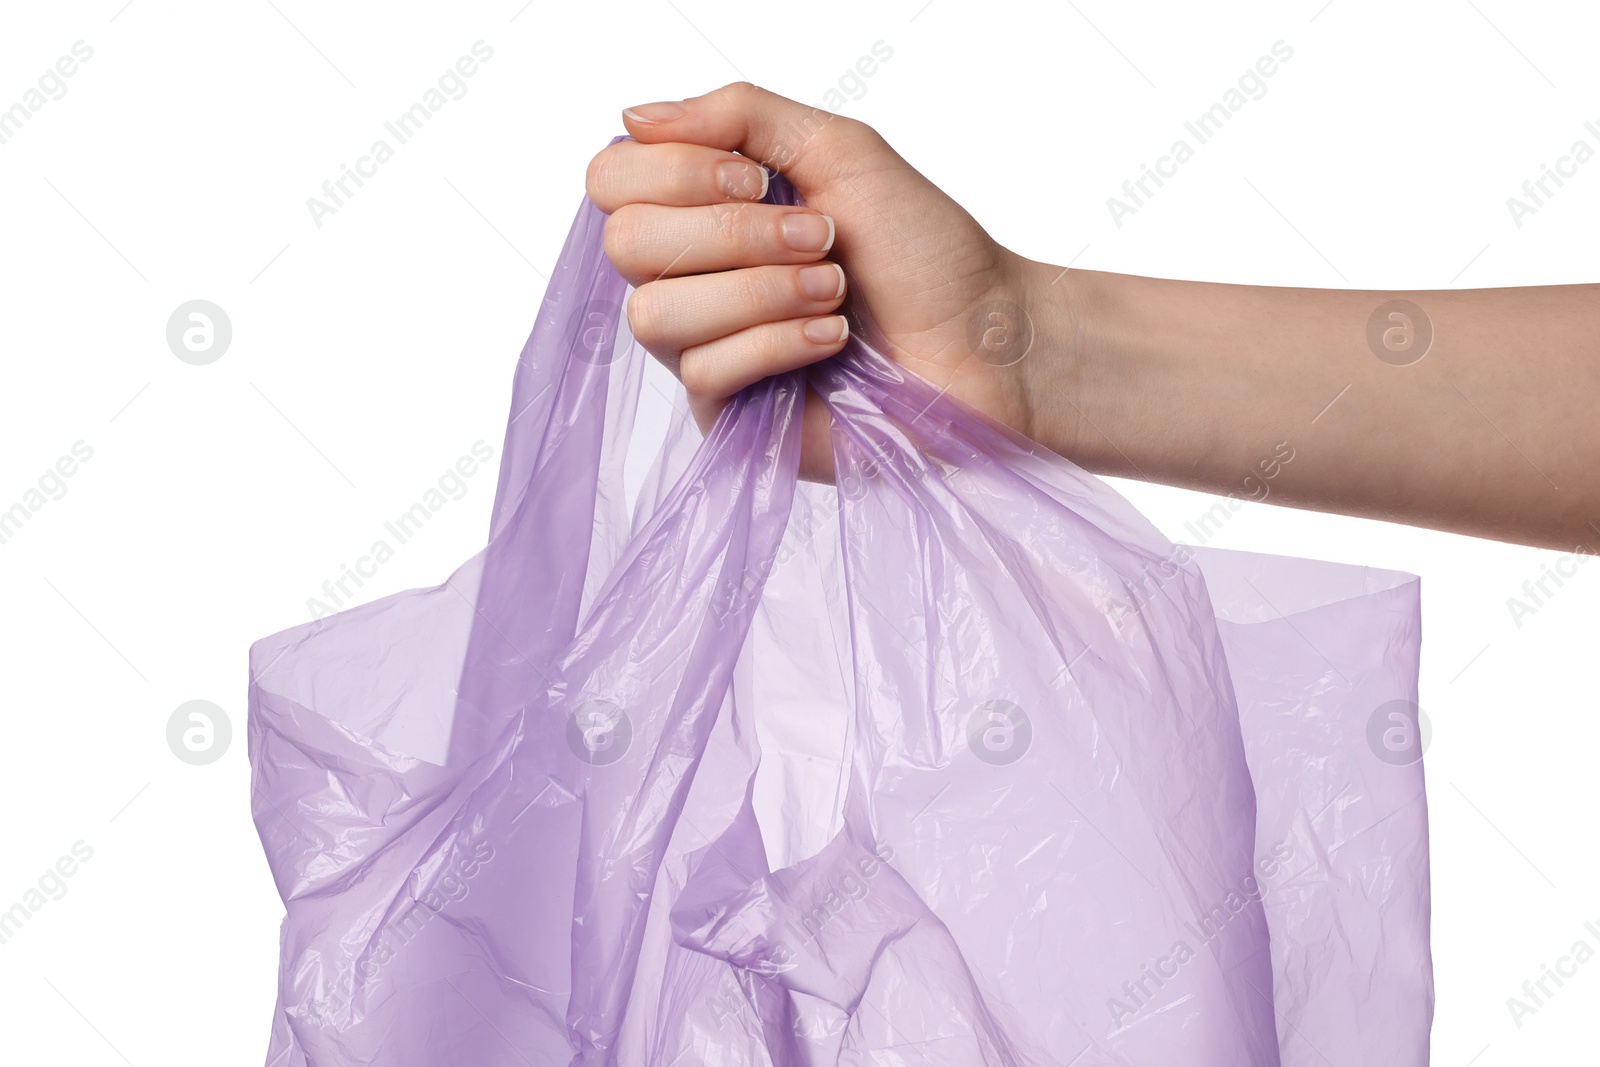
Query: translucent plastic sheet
x=958 y=762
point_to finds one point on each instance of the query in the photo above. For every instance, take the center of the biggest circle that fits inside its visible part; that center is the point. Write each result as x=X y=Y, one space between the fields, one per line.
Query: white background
x=368 y=354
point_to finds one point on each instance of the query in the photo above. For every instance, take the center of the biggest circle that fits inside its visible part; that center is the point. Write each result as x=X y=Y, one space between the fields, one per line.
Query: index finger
x=672 y=174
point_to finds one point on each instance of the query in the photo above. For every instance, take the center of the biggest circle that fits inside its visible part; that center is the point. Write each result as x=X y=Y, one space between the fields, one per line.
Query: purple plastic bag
x=958 y=762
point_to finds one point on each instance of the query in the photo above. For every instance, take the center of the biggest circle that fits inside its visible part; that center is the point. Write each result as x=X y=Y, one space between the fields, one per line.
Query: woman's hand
x=1481 y=421
x=728 y=291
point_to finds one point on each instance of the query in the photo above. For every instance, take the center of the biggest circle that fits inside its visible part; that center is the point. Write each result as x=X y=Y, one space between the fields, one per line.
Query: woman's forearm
x=1465 y=410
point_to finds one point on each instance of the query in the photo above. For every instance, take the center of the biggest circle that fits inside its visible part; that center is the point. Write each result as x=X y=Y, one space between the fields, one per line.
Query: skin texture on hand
x=1472 y=411
x=718 y=294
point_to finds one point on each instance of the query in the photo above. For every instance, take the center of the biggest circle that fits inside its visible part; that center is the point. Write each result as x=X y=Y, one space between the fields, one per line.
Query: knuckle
x=696 y=372
x=741 y=92
x=837 y=146
x=855 y=130
x=623 y=229
x=723 y=216
x=744 y=230
x=644 y=316
x=844 y=136
x=595 y=178
x=613 y=238
x=753 y=290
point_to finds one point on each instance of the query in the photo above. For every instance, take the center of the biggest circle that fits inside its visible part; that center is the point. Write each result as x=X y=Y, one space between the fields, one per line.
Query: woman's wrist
x=1076 y=380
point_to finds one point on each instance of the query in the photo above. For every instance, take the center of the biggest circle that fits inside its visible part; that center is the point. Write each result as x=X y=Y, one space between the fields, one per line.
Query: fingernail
x=747 y=181
x=808 y=232
x=822 y=281
x=829 y=330
x=664 y=111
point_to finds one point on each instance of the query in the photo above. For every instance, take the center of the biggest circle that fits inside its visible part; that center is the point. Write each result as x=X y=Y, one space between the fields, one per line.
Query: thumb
x=815 y=149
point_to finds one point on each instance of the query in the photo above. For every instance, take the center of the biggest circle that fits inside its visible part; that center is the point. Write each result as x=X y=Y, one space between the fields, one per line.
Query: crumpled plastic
x=957 y=761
